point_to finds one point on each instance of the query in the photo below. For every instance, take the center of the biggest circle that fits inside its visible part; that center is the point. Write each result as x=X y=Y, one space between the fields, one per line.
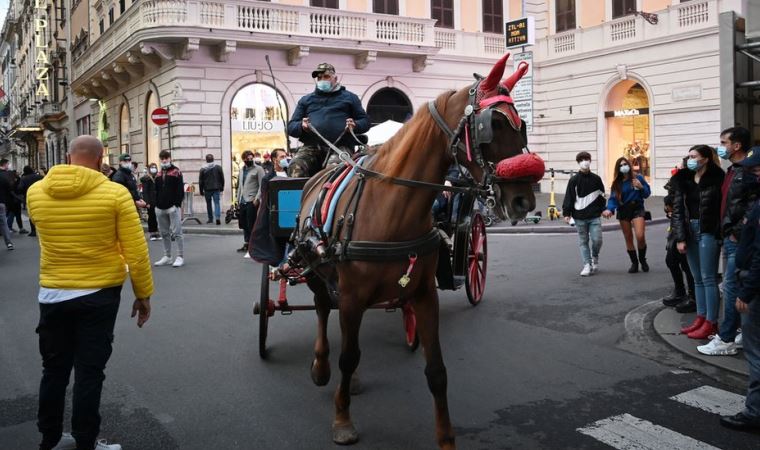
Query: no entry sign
x=160 y=116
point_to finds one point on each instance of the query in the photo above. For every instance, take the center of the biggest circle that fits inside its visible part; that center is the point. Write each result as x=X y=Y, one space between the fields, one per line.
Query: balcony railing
x=300 y=22
x=676 y=19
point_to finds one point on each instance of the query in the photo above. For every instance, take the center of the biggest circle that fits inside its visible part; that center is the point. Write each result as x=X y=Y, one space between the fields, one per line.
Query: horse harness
x=315 y=246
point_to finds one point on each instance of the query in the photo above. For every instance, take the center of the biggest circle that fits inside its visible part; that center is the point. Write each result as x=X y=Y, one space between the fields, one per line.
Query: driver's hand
x=305 y=123
x=350 y=123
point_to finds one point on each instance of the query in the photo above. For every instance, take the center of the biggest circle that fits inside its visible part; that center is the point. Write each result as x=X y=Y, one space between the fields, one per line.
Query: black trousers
x=76 y=333
x=152 y=222
x=678 y=265
x=247 y=219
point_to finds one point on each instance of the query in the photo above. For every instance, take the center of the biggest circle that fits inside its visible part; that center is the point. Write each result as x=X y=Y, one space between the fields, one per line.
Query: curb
x=561 y=228
x=667 y=324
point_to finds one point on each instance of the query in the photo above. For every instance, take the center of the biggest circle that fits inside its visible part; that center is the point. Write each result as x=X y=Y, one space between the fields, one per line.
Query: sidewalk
x=668 y=323
x=653 y=204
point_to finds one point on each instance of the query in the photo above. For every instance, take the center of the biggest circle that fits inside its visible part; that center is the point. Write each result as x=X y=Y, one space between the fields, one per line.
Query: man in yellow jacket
x=89 y=234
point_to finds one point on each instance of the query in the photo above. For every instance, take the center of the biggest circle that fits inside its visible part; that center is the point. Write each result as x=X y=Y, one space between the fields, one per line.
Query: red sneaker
x=694 y=325
x=706 y=330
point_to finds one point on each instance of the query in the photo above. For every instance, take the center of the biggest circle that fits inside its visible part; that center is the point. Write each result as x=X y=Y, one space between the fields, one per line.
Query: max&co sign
x=41 y=61
x=627 y=112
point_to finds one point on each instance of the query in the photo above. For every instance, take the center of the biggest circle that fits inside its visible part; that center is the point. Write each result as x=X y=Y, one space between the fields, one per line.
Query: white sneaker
x=179 y=262
x=102 y=445
x=594 y=265
x=586 y=270
x=153 y=238
x=716 y=347
x=67 y=442
x=247 y=255
x=738 y=341
x=165 y=261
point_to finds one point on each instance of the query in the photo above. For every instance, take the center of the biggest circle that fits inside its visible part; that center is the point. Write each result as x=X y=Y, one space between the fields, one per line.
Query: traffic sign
x=520 y=32
x=160 y=116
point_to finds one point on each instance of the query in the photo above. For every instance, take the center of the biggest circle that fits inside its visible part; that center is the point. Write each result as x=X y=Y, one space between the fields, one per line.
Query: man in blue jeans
x=584 y=203
x=734 y=144
x=748 y=301
x=211 y=183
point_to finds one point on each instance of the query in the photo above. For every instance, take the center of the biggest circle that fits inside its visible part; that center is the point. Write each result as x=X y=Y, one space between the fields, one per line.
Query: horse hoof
x=345 y=434
x=320 y=377
x=356 y=386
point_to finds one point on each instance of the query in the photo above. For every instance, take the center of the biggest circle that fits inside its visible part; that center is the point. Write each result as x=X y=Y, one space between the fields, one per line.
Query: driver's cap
x=322 y=68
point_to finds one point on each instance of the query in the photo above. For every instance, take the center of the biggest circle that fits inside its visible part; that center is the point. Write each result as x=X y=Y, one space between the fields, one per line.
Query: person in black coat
x=124 y=177
x=696 y=228
x=211 y=184
x=28 y=178
x=148 y=182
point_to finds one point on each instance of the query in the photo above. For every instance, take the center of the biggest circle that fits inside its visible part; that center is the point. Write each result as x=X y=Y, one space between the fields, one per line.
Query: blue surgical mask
x=284 y=163
x=166 y=165
x=625 y=169
x=692 y=164
x=324 y=85
x=723 y=152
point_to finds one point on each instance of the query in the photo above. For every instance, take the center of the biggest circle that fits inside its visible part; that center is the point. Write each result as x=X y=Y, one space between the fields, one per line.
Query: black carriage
x=462 y=259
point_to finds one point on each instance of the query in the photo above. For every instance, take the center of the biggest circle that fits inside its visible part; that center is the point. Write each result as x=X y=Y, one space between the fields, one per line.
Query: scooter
x=552 y=212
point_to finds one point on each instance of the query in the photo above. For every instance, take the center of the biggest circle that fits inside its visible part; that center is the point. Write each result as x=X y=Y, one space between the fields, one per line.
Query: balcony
x=277 y=26
x=676 y=19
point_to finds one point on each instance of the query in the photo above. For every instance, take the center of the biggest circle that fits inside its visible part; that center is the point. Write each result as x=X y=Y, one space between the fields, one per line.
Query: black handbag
x=232 y=214
x=647 y=215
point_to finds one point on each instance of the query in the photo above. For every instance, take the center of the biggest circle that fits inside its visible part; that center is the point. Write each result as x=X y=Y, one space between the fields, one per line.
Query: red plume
x=493 y=78
x=510 y=82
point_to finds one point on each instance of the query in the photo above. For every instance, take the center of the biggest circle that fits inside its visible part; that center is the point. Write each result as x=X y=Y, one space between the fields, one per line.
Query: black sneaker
x=23 y=231
x=673 y=299
x=242 y=249
x=9 y=246
x=687 y=306
x=209 y=221
x=218 y=222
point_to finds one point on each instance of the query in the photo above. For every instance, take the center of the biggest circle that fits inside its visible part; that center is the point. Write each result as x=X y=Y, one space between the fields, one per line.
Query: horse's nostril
x=522 y=204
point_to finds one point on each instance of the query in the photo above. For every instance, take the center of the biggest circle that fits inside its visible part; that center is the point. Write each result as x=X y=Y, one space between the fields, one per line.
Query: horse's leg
x=320 y=367
x=344 y=432
x=426 y=310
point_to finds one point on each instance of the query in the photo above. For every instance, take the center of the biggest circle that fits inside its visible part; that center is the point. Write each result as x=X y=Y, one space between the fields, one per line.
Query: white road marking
x=631 y=433
x=680 y=372
x=712 y=400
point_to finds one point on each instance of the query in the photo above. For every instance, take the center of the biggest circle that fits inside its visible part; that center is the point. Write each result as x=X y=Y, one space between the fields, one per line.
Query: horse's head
x=497 y=138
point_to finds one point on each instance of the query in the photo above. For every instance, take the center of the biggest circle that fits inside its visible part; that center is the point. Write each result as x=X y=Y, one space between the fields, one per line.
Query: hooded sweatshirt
x=89 y=232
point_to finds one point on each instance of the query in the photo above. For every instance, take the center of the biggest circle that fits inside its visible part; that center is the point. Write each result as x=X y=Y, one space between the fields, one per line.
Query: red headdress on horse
x=494 y=93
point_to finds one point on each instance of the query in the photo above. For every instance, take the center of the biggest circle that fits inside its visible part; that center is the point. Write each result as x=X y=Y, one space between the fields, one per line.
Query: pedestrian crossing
x=628 y=432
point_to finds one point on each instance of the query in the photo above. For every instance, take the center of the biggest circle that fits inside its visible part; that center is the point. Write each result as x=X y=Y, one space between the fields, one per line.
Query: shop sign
x=522 y=94
x=257 y=125
x=520 y=32
x=627 y=112
x=42 y=63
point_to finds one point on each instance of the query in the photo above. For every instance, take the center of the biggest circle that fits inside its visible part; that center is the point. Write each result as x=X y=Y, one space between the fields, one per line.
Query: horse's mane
x=393 y=155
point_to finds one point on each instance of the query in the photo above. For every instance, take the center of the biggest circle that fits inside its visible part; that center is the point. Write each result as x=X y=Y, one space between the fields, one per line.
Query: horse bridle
x=477 y=127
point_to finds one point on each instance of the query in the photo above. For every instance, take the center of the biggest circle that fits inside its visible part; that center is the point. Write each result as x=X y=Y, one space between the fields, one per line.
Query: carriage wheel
x=477 y=254
x=410 y=327
x=264 y=307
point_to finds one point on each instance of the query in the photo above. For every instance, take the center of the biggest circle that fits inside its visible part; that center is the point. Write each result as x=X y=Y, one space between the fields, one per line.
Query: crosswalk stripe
x=713 y=400
x=627 y=432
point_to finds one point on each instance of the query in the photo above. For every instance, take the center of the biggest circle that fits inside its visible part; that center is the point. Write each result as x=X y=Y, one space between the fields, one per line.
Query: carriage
x=462 y=260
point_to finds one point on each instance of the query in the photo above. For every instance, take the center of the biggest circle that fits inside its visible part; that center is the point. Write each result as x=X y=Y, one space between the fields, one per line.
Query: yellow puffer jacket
x=88 y=229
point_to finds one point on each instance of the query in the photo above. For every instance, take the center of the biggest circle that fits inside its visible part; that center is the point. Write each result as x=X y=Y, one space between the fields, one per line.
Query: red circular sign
x=160 y=116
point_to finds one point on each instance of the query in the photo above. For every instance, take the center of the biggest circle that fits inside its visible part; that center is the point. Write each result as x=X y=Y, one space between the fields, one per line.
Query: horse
x=385 y=211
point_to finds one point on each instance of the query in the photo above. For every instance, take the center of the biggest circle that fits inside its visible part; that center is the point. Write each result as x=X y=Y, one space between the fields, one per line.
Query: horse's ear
x=496 y=72
x=510 y=82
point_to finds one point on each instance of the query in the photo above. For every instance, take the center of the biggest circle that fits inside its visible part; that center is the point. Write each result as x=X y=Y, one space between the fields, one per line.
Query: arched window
x=152 y=131
x=389 y=104
x=124 y=129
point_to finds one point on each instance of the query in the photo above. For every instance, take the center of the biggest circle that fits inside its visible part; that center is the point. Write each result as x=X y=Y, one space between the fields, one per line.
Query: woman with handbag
x=627 y=198
x=696 y=227
x=148 y=182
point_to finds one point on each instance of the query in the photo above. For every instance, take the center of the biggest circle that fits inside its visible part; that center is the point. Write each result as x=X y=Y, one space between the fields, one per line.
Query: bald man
x=81 y=276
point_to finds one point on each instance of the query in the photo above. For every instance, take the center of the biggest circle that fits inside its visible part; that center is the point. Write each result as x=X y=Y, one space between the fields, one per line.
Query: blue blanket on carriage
x=263 y=247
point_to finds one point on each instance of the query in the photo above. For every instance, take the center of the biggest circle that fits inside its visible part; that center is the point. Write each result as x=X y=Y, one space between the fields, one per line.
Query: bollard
x=187 y=208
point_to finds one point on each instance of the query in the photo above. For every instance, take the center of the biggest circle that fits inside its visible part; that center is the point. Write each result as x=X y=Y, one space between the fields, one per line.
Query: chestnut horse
x=388 y=212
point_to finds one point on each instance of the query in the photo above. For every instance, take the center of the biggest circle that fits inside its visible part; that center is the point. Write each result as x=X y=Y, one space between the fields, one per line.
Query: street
x=545 y=361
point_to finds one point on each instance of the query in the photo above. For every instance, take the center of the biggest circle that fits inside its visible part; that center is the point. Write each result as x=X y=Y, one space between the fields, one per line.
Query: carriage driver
x=332 y=110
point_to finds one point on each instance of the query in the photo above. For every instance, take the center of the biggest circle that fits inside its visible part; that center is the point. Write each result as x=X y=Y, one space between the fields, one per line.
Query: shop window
x=124 y=128
x=443 y=12
x=493 y=17
x=325 y=3
x=622 y=8
x=565 y=15
x=389 y=104
x=385 y=6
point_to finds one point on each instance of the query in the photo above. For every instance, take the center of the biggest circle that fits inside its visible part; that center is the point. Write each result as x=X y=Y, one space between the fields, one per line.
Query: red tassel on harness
x=528 y=165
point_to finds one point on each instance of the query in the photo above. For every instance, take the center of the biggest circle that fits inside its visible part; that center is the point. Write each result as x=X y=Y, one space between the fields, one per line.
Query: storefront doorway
x=257 y=123
x=627 y=119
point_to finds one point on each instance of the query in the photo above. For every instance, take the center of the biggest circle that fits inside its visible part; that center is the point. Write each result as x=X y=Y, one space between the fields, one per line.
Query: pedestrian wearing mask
x=748 y=298
x=627 y=196
x=249 y=192
x=281 y=162
x=6 y=191
x=677 y=262
x=735 y=200
x=696 y=226
x=170 y=191
x=126 y=178
x=28 y=178
x=584 y=202
x=149 y=195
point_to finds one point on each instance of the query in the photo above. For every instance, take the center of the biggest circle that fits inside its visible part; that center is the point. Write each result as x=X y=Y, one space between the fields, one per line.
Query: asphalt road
x=544 y=355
